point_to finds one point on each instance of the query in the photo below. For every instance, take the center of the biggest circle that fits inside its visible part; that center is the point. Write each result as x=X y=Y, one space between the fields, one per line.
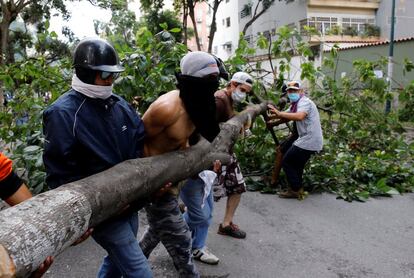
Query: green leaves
x=408 y=66
x=175 y=30
x=164 y=26
x=262 y=42
x=364 y=154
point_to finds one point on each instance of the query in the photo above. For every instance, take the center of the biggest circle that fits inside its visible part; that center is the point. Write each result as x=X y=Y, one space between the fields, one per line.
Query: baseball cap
x=242 y=78
x=198 y=64
x=293 y=85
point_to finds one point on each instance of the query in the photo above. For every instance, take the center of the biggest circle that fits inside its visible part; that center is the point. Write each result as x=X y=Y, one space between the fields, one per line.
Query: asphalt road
x=318 y=237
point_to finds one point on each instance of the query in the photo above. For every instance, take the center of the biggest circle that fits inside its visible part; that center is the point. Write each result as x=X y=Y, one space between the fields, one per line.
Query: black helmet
x=222 y=68
x=96 y=54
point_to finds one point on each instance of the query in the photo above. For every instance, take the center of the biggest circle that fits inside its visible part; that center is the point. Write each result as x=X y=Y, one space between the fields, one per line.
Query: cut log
x=50 y=222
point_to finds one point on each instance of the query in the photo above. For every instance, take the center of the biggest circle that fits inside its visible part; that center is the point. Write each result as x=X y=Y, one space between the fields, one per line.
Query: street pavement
x=318 y=237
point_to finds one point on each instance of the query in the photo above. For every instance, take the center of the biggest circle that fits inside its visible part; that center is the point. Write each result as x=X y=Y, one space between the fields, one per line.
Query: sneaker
x=231 y=230
x=290 y=194
x=205 y=256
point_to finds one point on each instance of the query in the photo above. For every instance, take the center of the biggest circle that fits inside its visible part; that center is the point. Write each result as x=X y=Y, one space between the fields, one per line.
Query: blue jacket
x=84 y=136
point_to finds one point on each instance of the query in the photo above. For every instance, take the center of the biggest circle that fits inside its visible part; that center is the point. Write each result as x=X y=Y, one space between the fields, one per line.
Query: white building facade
x=227 y=35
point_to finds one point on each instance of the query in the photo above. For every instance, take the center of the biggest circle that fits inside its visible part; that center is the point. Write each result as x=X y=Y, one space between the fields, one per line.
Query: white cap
x=293 y=85
x=242 y=78
x=198 y=64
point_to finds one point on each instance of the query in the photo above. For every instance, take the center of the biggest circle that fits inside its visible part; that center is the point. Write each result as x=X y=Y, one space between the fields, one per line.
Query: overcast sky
x=81 y=22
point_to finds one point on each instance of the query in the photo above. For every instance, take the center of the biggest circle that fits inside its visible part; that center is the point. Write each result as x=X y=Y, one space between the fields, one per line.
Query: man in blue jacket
x=88 y=130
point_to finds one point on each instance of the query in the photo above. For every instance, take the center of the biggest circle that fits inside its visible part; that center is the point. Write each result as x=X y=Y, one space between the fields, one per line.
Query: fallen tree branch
x=50 y=222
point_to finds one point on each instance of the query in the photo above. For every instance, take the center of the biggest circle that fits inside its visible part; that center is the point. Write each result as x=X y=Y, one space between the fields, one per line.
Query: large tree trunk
x=191 y=6
x=213 y=26
x=50 y=222
x=185 y=16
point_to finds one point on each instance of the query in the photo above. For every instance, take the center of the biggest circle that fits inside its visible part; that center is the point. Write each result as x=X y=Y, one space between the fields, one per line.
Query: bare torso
x=167 y=125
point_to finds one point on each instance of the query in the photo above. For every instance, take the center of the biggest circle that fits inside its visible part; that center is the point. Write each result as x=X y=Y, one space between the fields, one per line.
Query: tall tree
x=33 y=12
x=265 y=5
x=154 y=15
x=191 y=6
x=186 y=8
x=213 y=26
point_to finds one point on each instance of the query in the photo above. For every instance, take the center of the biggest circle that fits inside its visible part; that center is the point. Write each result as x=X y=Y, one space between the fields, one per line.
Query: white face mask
x=238 y=96
x=92 y=91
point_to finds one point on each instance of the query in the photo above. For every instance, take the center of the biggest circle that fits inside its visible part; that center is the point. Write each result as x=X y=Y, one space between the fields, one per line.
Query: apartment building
x=228 y=30
x=404 y=18
x=345 y=22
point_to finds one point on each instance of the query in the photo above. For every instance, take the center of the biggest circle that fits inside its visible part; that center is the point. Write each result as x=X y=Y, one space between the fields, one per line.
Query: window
x=291 y=26
x=246 y=11
x=321 y=24
x=227 y=46
x=249 y=39
x=356 y=24
x=228 y=22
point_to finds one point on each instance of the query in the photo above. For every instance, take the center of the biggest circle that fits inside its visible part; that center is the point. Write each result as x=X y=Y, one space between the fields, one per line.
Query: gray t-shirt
x=309 y=129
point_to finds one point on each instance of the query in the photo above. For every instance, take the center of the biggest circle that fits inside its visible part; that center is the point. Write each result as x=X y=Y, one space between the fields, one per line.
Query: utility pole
x=390 y=62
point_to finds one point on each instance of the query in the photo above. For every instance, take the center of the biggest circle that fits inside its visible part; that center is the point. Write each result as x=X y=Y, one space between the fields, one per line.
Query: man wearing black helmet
x=88 y=130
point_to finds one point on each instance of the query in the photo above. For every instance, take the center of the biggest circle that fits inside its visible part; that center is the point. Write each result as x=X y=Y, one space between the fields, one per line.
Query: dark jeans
x=125 y=258
x=293 y=163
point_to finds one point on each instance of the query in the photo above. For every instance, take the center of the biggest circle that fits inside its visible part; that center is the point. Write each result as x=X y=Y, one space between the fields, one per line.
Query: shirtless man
x=169 y=122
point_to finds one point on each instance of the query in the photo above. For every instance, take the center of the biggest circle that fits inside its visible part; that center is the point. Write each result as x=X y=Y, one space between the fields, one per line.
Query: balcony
x=341 y=29
x=340 y=4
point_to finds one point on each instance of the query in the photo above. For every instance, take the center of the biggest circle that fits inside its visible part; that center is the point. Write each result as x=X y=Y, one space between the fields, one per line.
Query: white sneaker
x=205 y=256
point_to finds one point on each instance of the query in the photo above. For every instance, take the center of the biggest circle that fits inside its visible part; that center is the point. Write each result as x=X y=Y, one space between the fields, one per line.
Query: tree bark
x=213 y=26
x=185 y=16
x=191 y=6
x=256 y=14
x=50 y=222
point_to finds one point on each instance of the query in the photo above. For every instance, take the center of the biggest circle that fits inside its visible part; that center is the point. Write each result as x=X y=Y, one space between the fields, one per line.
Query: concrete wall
x=279 y=14
x=402 y=50
x=404 y=12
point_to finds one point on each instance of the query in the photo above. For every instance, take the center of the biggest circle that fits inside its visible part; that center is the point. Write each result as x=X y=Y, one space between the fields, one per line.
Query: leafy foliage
x=31 y=83
x=150 y=67
x=150 y=62
x=365 y=152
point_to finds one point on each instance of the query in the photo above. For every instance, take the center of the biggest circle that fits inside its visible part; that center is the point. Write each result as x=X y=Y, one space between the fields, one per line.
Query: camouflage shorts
x=230 y=181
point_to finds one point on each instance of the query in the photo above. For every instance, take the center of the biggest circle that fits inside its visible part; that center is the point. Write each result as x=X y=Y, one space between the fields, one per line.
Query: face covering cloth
x=197 y=95
x=92 y=91
x=238 y=96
